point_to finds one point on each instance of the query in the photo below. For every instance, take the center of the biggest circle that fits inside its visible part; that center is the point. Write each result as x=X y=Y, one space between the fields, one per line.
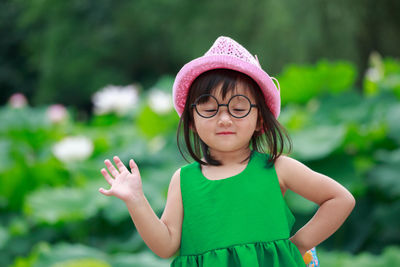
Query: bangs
x=221 y=81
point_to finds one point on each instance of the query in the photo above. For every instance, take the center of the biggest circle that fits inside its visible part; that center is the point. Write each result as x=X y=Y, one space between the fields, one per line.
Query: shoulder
x=285 y=164
x=174 y=193
x=290 y=171
x=283 y=167
x=176 y=178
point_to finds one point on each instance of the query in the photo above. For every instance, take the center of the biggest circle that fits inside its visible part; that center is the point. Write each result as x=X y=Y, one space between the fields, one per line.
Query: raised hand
x=125 y=185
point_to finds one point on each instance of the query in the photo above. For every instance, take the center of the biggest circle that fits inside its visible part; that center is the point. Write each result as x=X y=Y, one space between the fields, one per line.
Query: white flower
x=74 y=148
x=17 y=100
x=56 y=113
x=373 y=74
x=160 y=102
x=119 y=99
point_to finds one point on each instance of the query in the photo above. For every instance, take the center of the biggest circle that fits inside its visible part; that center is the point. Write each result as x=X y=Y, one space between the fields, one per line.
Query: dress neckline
x=230 y=177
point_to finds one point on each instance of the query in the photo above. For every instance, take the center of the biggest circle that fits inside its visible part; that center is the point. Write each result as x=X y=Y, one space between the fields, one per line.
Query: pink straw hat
x=226 y=53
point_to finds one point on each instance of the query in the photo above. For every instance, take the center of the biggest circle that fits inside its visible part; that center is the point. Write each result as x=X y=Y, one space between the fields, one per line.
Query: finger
x=111 y=168
x=133 y=165
x=120 y=165
x=105 y=192
x=108 y=178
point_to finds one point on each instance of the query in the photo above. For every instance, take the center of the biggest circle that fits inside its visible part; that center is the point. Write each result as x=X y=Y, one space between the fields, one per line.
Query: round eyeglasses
x=207 y=106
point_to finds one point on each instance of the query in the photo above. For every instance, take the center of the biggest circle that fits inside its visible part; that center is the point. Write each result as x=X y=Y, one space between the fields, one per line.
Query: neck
x=231 y=157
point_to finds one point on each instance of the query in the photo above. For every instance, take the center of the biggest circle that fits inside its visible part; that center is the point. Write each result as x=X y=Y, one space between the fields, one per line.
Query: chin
x=227 y=148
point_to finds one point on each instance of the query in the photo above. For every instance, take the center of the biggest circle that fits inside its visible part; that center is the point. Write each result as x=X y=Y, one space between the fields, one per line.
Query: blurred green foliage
x=63 y=51
x=306 y=82
x=52 y=214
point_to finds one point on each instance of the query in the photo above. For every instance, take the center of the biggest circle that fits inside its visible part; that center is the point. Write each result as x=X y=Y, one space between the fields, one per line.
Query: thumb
x=105 y=192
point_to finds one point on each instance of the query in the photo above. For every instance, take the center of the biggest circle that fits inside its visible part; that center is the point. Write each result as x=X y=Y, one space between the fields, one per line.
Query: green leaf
x=388 y=226
x=164 y=83
x=77 y=255
x=5 y=155
x=3 y=237
x=299 y=204
x=144 y=259
x=389 y=257
x=300 y=83
x=336 y=76
x=53 y=205
x=152 y=124
x=82 y=263
x=386 y=178
x=391 y=157
x=66 y=254
x=317 y=141
x=27 y=118
x=393 y=122
x=115 y=211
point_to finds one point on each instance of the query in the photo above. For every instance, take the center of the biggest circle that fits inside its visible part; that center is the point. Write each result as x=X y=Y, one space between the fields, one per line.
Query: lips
x=225 y=133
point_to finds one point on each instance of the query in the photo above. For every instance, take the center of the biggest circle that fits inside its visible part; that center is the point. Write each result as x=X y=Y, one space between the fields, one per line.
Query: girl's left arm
x=335 y=202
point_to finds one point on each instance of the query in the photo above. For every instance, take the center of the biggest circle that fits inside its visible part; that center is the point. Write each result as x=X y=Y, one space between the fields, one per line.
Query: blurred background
x=82 y=81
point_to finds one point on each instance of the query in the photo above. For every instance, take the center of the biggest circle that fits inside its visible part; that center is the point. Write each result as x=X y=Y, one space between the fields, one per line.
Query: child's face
x=223 y=132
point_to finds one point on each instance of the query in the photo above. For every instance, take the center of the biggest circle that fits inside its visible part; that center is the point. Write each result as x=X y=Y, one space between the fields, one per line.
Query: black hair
x=270 y=140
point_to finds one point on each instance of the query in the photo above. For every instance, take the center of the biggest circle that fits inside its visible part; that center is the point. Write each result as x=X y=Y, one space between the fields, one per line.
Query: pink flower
x=17 y=100
x=56 y=113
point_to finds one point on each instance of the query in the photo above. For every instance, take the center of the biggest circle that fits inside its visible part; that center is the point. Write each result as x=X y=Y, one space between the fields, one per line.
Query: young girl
x=227 y=208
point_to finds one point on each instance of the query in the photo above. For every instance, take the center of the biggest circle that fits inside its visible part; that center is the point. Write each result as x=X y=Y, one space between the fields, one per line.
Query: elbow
x=162 y=254
x=350 y=201
x=353 y=202
x=166 y=254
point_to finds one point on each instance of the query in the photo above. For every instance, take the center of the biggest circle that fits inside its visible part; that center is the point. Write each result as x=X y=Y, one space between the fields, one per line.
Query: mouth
x=225 y=133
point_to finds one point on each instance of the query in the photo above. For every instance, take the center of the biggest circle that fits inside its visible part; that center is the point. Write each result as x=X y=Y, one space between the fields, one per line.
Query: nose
x=224 y=118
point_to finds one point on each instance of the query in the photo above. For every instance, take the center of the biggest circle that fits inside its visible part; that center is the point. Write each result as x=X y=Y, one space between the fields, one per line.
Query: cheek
x=199 y=126
x=253 y=121
x=196 y=122
x=251 y=126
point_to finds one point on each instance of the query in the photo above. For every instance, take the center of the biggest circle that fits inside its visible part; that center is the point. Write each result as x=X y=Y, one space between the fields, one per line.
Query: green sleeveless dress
x=242 y=220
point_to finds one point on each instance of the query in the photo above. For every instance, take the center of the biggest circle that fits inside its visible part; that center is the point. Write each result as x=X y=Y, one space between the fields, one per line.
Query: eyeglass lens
x=238 y=106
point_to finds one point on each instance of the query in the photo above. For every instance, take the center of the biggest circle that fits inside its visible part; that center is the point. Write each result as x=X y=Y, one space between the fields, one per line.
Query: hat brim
x=194 y=68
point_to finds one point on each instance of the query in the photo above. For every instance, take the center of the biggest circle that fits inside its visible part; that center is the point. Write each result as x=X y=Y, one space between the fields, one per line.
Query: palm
x=124 y=184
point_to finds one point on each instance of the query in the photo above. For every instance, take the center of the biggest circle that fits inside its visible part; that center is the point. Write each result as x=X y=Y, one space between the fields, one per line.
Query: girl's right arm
x=163 y=235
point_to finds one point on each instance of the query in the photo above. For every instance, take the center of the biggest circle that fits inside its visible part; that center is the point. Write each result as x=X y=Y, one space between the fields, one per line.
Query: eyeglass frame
x=194 y=105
